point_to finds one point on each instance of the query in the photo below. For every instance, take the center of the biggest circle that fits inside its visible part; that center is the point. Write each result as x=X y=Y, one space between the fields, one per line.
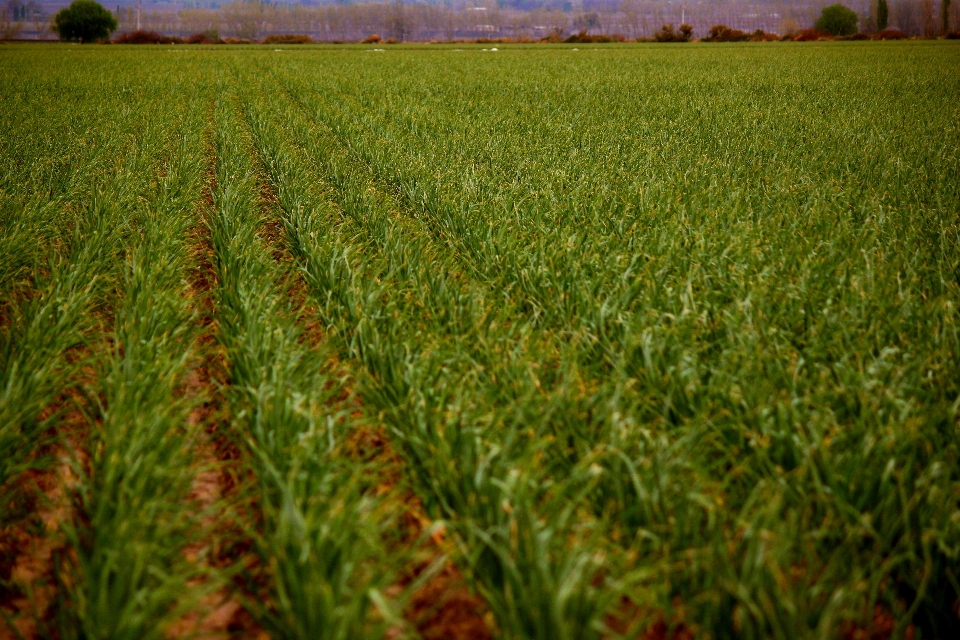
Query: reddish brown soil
x=882 y=628
x=444 y=607
x=220 y=463
x=32 y=542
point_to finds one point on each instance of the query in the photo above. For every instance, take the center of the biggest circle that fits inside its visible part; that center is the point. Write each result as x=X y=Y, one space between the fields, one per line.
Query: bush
x=584 y=38
x=371 y=39
x=953 y=35
x=555 y=35
x=146 y=37
x=236 y=41
x=837 y=20
x=723 y=33
x=210 y=36
x=667 y=34
x=890 y=34
x=812 y=35
x=84 y=21
x=287 y=38
x=856 y=36
x=762 y=36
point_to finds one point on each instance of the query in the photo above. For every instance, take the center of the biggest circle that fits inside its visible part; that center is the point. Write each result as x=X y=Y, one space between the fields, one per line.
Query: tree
x=244 y=18
x=9 y=28
x=587 y=21
x=837 y=20
x=85 y=21
x=883 y=15
x=945 y=15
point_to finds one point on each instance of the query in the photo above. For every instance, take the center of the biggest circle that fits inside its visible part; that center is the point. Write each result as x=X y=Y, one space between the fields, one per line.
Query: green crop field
x=630 y=341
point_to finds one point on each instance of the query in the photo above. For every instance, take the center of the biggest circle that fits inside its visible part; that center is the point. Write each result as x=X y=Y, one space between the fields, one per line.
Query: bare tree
x=929 y=21
x=244 y=18
x=9 y=27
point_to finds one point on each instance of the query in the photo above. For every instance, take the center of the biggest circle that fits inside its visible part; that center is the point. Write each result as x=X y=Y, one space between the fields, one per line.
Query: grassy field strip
x=545 y=290
x=49 y=275
x=442 y=604
x=52 y=320
x=54 y=158
x=715 y=399
x=39 y=373
x=609 y=310
x=666 y=338
x=445 y=409
x=322 y=539
x=711 y=152
x=50 y=351
x=129 y=574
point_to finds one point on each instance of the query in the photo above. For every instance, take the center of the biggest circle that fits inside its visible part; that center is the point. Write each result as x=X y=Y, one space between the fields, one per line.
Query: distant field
x=630 y=341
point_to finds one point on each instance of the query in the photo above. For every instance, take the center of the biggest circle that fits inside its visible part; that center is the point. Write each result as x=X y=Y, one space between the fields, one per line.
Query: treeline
x=424 y=22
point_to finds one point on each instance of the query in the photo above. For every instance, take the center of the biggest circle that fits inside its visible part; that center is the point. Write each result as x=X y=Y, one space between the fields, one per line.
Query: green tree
x=837 y=20
x=883 y=15
x=85 y=21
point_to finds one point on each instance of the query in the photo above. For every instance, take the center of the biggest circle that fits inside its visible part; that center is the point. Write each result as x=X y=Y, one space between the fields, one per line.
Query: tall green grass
x=720 y=309
x=324 y=538
x=132 y=523
x=61 y=251
x=660 y=334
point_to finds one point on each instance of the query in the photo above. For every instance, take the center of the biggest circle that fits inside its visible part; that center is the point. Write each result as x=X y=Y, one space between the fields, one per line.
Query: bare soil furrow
x=216 y=492
x=31 y=542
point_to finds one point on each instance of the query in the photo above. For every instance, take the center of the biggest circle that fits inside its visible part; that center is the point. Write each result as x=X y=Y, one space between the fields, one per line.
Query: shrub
x=584 y=37
x=812 y=35
x=371 y=39
x=84 y=21
x=146 y=37
x=667 y=34
x=236 y=41
x=954 y=35
x=890 y=34
x=837 y=20
x=856 y=36
x=288 y=38
x=391 y=41
x=555 y=35
x=762 y=36
x=723 y=33
x=210 y=36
